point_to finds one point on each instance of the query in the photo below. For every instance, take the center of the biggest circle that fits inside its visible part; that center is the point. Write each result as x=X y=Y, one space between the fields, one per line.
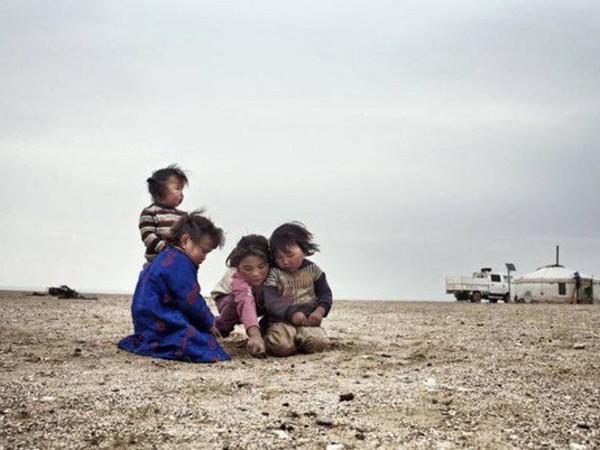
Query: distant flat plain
x=400 y=374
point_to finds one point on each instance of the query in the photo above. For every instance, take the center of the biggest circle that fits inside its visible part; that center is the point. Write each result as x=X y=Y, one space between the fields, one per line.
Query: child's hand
x=299 y=319
x=215 y=333
x=256 y=347
x=315 y=318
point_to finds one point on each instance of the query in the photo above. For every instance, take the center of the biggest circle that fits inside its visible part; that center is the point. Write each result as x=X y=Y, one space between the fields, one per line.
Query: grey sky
x=415 y=139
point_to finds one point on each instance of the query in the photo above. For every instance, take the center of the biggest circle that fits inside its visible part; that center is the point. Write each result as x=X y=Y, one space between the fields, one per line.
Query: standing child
x=297 y=295
x=238 y=295
x=171 y=319
x=166 y=188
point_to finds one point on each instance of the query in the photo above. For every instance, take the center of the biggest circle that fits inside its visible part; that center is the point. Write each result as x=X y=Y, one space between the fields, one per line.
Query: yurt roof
x=549 y=274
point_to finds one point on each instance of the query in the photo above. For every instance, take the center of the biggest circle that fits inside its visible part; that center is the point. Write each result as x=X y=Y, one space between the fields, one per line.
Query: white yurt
x=556 y=284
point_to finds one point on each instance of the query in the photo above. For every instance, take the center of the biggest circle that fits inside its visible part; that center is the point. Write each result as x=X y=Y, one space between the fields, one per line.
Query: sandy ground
x=400 y=375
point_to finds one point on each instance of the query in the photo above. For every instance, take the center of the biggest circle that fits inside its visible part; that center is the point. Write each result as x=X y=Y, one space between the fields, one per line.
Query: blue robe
x=171 y=319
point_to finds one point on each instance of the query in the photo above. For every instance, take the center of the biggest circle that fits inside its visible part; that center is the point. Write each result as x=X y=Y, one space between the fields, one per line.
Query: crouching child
x=296 y=294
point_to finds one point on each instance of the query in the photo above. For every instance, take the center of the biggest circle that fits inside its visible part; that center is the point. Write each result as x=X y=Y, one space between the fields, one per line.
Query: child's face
x=173 y=195
x=197 y=252
x=253 y=269
x=289 y=259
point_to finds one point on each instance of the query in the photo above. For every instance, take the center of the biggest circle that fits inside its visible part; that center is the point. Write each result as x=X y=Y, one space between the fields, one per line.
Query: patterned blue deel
x=171 y=319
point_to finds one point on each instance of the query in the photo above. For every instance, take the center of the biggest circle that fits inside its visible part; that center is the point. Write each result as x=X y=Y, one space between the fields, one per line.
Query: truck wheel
x=476 y=297
x=506 y=297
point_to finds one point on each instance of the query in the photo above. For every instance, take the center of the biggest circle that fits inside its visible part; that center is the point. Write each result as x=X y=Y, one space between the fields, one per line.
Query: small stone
x=444 y=445
x=335 y=447
x=326 y=422
x=281 y=434
x=430 y=383
x=286 y=427
x=576 y=446
x=579 y=346
x=346 y=397
x=47 y=399
x=159 y=363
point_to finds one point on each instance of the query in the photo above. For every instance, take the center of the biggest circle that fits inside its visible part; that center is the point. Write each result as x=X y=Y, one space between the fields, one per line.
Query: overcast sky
x=415 y=139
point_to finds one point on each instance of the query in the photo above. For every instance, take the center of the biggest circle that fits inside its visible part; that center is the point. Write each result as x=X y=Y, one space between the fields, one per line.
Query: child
x=171 y=320
x=238 y=295
x=297 y=295
x=166 y=188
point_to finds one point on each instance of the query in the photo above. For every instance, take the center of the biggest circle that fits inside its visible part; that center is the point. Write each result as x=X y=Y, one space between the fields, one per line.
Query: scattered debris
x=66 y=292
x=99 y=392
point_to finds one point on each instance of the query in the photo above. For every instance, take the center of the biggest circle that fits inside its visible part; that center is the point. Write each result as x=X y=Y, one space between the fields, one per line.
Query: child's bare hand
x=215 y=333
x=314 y=320
x=256 y=347
x=299 y=319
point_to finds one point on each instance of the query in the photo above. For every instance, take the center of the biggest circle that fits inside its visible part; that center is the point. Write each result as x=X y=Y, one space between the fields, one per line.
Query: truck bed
x=465 y=284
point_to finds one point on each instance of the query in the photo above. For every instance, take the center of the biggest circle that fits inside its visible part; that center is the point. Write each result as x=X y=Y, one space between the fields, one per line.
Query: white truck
x=486 y=284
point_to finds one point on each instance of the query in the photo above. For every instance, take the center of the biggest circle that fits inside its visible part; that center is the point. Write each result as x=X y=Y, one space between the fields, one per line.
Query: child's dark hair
x=196 y=226
x=251 y=245
x=158 y=181
x=293 y=233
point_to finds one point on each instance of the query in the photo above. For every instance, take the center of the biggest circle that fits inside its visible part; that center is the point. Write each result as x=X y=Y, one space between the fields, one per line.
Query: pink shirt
x=233 y=286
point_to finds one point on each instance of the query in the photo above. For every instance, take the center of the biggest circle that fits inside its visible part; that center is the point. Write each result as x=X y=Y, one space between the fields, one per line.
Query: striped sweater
x=155 y=224
x=305 y=290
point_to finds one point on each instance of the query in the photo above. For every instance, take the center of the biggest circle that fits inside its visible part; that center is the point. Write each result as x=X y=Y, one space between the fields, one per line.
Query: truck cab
x=498 y=285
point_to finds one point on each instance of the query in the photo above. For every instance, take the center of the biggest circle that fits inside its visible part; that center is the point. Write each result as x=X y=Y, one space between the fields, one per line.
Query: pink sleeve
x=245 y=302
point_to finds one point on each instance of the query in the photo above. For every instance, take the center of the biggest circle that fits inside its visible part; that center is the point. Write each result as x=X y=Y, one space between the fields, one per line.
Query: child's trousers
x=284 y=339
